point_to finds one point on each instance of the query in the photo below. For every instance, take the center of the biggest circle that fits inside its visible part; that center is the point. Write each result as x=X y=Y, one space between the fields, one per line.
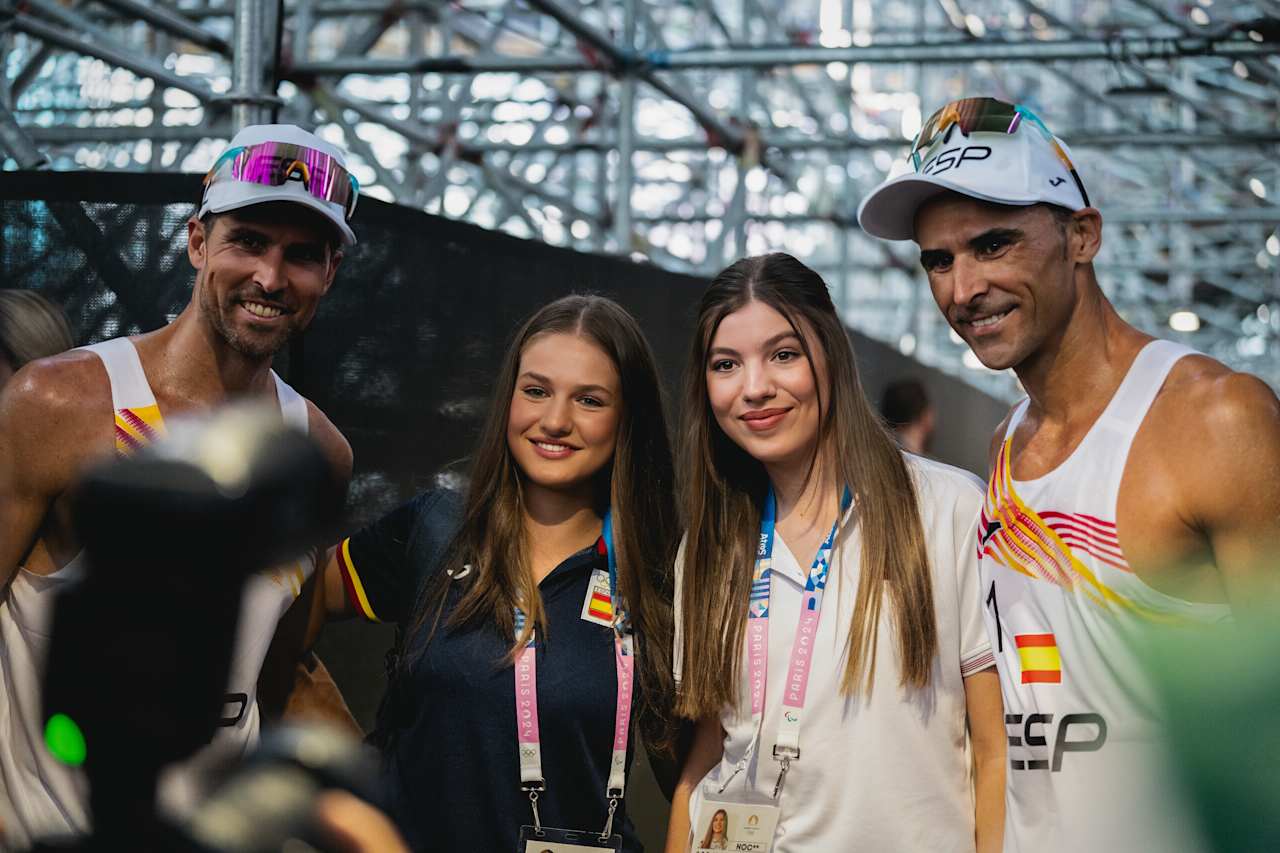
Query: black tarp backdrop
x=403 y=350
x=401 y=355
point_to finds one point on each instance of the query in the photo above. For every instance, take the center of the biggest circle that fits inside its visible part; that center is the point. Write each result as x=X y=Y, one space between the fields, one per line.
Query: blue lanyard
x=787 y=745
x=612 y=558
x=819 y=570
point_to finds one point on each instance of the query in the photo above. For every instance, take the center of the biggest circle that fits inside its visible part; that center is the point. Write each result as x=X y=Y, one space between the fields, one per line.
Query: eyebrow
x=775 y=340
x=538 y=377
x=1010 y=234
x=932 y=256
x=241 y=231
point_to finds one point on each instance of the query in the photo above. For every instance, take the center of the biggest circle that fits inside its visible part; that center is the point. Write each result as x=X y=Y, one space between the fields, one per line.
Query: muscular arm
x=301 y=624
x=328 y=599
x=987 y=734
x=26 y=490
x=53 y=421
x=707 y=750
x=1230 y=483
x=325 y=598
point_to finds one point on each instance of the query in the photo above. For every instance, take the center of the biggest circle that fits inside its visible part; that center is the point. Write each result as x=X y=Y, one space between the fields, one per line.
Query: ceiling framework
x=693 y=132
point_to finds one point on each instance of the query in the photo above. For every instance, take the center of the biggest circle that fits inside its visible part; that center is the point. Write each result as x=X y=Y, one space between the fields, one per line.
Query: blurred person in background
x=541 y=595
x=905 y=407
x=1133 y=494
x=31 y=327
x=265 y=244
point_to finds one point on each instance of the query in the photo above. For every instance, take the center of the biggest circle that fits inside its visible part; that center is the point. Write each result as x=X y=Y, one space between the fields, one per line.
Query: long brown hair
x=638 y=484
x=724 y=490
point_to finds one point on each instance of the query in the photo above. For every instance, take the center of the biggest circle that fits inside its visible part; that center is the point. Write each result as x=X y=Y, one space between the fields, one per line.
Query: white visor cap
x=224 y=196
x=1017 y=169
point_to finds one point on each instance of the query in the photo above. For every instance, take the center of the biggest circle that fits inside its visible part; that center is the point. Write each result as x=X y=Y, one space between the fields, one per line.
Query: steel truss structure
x=691 y=132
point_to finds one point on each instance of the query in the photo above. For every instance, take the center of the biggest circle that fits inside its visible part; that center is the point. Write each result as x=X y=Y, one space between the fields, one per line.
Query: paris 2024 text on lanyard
x=749 y=825
x=537 y=837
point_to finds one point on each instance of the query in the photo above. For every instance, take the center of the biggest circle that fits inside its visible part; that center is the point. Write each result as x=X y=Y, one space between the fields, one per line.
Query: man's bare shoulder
x=332 y=442
x=1203 y=398
x=61 y=390
x=55 y=417
x=1214 y=432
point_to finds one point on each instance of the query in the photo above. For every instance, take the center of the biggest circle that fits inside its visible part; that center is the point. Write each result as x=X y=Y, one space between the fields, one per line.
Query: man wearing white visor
x=265 y=243
x=1133 y=491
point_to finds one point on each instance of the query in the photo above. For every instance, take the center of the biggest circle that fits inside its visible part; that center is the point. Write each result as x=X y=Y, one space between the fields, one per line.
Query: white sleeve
x=677 y=657
x=975 y=644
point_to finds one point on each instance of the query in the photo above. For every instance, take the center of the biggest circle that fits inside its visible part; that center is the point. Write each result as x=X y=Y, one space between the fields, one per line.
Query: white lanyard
x=527 y=732
x=787 y=745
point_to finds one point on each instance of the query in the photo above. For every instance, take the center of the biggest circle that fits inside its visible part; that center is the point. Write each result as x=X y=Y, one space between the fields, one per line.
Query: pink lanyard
x=528 y=736
x=787 y=745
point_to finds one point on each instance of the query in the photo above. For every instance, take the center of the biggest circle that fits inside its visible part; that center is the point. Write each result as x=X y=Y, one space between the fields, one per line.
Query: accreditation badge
x=597 y=607
x=544 y=839
x=733 y=825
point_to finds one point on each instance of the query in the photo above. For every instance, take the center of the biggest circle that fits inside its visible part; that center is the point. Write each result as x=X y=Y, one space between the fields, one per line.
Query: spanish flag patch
x=601 y=607
x=597 y=607
x=1041 y=663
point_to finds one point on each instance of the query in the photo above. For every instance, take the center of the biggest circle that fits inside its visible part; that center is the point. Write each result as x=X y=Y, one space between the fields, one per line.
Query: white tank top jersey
x=1068 y=620
x=47 y=799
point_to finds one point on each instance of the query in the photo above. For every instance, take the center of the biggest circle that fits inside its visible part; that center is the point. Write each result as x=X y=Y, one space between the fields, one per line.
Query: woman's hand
x=707 y=750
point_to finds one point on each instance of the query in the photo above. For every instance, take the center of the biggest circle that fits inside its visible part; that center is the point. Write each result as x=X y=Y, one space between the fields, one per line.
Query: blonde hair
x=31 y=327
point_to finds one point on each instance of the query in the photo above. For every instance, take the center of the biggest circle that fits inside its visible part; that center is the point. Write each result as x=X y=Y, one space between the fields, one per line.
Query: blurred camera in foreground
x=140 y=655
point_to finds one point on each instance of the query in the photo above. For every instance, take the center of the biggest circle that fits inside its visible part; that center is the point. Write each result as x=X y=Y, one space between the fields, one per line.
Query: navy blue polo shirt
x=452 y=769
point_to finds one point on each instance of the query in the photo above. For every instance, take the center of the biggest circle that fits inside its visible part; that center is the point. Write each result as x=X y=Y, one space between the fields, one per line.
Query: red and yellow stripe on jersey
x=351 y=581
x=1041 y=545
x=136 y=428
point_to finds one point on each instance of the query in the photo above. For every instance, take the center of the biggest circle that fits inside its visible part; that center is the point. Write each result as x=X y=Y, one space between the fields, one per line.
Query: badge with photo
x=727 y=825
x=547 y=840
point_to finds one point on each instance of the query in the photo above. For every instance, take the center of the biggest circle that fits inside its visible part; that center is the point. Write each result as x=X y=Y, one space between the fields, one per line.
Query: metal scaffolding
x=693 y=132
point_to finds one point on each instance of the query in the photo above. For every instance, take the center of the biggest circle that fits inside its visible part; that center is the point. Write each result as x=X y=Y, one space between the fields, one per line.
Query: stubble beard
x=253 y=347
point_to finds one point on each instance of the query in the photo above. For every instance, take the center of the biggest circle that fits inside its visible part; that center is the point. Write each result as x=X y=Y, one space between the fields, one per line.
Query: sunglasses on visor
x=274 y=164
x=984 y=115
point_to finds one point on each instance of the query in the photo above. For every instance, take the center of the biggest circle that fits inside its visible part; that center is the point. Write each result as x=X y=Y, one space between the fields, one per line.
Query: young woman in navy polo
x=536 y=608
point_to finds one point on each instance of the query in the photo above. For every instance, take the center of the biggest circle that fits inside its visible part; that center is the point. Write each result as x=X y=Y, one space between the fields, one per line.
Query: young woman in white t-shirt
x=898 y=666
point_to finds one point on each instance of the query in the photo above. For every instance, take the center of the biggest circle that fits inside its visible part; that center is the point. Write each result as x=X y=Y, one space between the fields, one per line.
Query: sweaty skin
x=56 y=413
x=1199 y=503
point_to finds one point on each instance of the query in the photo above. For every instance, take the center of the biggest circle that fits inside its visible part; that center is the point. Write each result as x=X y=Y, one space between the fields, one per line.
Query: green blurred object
x=65 y=740
x=1223 y=701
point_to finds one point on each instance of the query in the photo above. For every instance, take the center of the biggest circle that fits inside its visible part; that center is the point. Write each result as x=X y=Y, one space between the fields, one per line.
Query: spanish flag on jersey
x=1038 y=654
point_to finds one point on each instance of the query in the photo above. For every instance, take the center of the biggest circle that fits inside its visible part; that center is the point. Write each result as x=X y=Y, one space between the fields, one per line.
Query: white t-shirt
x=888 y=772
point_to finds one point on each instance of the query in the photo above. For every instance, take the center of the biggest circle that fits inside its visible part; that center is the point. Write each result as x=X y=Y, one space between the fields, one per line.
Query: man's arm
x=50 y=427
x=332 y=443
x=1230 y=481
x=300 y=626
x=327 y=599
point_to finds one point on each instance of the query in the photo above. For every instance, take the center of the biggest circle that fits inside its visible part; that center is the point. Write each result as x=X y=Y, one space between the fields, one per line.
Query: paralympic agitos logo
x=1071 y=733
